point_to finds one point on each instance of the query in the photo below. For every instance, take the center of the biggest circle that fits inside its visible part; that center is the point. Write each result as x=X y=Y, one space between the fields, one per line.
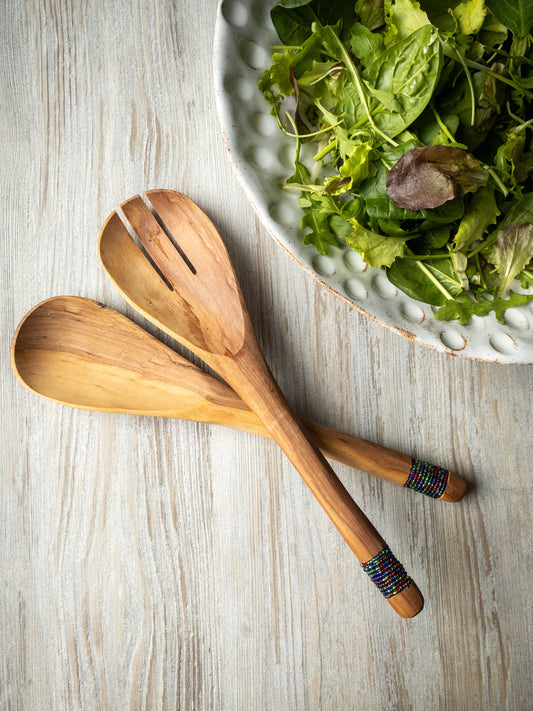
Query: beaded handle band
x=427 y=478
x=387 y=573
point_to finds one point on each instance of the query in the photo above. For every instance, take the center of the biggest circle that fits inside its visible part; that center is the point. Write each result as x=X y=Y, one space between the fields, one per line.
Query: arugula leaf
x=463 y=307
x=365 y=44
x=316 y=208
x=516 y=15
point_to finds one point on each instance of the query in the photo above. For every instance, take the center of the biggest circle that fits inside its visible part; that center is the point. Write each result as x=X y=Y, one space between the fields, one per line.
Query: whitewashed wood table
x=156 y=564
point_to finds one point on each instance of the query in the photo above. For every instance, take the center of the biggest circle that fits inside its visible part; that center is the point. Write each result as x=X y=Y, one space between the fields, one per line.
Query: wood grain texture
x=148 y=563
x=194 y=296
x=80 y=353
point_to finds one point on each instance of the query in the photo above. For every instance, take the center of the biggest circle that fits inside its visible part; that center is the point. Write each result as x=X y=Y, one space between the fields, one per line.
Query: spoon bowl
x=83 y=354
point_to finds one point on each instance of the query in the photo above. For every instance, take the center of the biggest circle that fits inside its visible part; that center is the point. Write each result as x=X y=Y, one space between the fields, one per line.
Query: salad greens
x=413 y=129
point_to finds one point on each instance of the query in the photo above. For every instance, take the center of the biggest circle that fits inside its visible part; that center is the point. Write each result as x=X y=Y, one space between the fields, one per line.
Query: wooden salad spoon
x=81 y=353
x=185 y=284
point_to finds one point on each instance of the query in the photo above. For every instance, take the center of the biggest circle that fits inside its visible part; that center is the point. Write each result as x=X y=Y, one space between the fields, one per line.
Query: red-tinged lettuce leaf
x=512 y=251
x=428 y=176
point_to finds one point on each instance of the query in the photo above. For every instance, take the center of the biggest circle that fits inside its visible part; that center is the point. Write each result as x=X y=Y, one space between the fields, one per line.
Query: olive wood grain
x=81 y=353
x=198 y=301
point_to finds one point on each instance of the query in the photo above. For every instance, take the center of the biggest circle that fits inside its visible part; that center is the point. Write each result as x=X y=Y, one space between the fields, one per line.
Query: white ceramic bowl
x=263 y=157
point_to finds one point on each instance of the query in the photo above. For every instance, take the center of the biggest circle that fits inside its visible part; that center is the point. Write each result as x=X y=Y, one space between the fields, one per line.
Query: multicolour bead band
x=387 y=573
x=427 y=478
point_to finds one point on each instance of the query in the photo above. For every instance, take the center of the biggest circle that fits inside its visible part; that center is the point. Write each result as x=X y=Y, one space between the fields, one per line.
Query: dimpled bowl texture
x=262 y=158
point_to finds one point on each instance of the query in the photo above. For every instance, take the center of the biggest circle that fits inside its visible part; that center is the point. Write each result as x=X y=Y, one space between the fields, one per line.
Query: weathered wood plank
x=156 y=564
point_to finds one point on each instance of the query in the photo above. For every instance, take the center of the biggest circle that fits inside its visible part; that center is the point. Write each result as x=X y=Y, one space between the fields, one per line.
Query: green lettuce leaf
x=403 y=17
x=470 y=16
x=512 y=252
x=480 y=212
x=357 y=165
x=376 y=250
x=371 y=13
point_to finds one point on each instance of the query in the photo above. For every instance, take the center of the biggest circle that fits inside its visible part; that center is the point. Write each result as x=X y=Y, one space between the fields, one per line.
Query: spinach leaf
x=445 y=272
x=414 y=279
x=293 y=19
x=516 y=15
x=409 y=70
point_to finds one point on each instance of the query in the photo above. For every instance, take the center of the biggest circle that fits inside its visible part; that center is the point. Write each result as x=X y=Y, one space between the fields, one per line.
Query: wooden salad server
x=186 y=286
x=81 y=353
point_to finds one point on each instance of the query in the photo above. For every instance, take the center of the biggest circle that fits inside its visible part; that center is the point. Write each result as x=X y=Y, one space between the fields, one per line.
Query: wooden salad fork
x=183 y=282
x=81 y=353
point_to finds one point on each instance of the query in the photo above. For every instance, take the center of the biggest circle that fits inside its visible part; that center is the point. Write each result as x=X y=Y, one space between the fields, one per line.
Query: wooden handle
x=61 y=350
x=261 y=393
x=220 y=405
x=386 y=463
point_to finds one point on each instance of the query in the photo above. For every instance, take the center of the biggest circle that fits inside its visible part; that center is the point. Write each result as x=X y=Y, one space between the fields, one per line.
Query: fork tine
x=196 y=234
x=165 y=254
x=119 y=248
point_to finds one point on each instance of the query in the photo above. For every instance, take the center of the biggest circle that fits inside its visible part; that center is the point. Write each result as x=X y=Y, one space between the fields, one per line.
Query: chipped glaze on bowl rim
x=262 y=157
